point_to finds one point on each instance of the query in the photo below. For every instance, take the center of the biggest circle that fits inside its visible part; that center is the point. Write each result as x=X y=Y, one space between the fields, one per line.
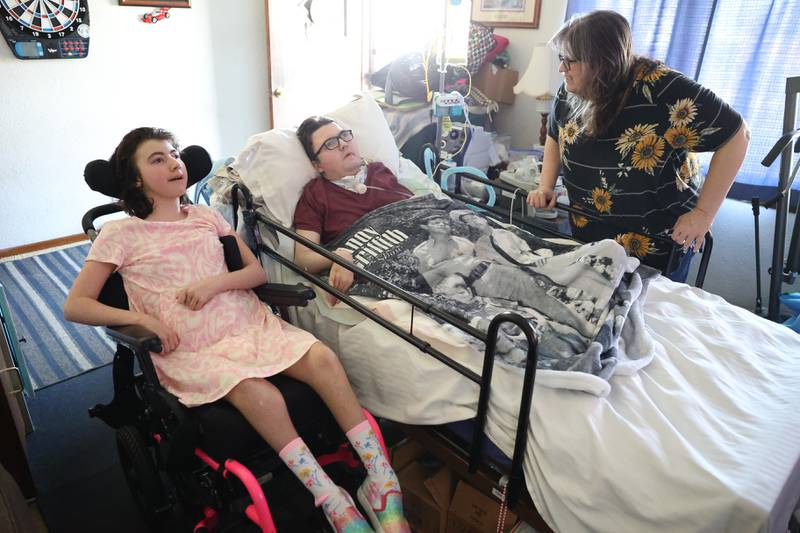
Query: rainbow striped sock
x=384 y=507
x=342 y=514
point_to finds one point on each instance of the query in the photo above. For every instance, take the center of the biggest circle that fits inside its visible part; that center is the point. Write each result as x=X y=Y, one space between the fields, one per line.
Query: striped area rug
x=54 y=349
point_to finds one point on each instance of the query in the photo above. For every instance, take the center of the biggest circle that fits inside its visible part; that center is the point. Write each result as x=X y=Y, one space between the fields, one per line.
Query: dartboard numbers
x=46 y=29
x=43 y=15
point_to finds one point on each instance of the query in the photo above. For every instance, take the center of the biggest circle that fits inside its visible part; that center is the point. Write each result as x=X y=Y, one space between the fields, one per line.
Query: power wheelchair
x=205 y=463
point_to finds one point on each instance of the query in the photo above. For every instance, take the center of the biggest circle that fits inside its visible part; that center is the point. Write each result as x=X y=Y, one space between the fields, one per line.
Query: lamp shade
x=536 y=80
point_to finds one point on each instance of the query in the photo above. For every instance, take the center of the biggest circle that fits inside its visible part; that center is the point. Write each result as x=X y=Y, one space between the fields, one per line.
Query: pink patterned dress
x=232 y=338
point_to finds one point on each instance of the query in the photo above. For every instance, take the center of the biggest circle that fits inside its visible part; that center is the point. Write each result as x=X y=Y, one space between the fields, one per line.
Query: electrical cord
x=511 y=208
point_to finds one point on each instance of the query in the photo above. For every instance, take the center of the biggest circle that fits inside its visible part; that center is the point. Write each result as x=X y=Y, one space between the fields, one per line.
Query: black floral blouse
x=644 y=172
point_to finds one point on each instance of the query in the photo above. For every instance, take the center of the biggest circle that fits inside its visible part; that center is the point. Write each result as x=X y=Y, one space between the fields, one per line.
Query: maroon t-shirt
x=329 y=209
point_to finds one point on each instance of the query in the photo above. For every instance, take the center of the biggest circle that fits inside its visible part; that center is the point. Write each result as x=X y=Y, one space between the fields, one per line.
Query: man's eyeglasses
x=333 y=142
x=567 y=61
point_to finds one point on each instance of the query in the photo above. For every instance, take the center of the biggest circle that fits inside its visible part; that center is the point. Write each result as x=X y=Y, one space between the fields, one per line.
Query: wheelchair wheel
x=142 y=476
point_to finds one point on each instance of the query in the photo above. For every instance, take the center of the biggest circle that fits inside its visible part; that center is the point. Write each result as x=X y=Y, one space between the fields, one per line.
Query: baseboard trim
x=42 y=245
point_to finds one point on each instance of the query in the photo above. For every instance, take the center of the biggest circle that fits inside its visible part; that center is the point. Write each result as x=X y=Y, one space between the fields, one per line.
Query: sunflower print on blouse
x=652 y=74
x=682 y=138
x=643 y=172
x=567 y=135
x=635 y=245
x=601 y=199
x=647 y=149
x=579 y=221
x=647 y=76
x=648 y=153
x=631 y=137
x=682 y=112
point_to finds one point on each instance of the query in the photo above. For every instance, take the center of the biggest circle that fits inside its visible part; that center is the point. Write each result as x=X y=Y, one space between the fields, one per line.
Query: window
x=398 y=28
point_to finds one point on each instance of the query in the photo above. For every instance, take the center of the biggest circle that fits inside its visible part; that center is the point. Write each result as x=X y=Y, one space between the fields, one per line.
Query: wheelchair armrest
x=283 y=295
x=137 y=338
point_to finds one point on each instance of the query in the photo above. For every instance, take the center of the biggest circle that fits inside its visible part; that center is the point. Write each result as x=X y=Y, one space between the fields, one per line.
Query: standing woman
x=625 y=130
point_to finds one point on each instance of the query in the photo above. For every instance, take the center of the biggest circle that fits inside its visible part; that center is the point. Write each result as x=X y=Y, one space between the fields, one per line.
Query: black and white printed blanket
x=584 y=302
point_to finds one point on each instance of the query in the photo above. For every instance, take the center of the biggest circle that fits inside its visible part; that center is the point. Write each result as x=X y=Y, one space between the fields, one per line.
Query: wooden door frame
x=269 y=66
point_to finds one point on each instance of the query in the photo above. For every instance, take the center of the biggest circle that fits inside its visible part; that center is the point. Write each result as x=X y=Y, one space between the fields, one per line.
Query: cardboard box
x=404 y=453
x=523 y=527
x=426 y=496
x=474 y=512
x=496 y=83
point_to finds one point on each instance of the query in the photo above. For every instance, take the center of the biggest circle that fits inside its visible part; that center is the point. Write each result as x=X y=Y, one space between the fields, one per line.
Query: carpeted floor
x=53 y=349
x=80 y=485
x=74 y=462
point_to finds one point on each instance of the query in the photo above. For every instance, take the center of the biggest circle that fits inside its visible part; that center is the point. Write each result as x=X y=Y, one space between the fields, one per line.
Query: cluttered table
x=522 y=173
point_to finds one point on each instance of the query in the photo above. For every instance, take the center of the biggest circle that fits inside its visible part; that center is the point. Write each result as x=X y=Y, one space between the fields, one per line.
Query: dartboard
x=46 y=29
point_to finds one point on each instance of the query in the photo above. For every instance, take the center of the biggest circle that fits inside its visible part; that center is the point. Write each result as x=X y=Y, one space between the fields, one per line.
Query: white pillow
x=274 y=166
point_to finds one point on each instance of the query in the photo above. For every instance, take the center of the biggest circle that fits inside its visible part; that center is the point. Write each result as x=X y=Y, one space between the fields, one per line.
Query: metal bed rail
x=515 y=191
x=516 y=476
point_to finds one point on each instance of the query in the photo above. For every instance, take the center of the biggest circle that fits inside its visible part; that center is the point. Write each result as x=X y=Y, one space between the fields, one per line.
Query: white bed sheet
x=705 y=438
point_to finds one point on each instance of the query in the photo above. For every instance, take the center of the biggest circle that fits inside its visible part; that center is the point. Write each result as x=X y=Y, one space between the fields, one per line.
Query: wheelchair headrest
x=101 y=176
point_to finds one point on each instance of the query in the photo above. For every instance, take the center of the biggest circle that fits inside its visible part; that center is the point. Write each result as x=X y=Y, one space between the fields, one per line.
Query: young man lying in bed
x=347 y=188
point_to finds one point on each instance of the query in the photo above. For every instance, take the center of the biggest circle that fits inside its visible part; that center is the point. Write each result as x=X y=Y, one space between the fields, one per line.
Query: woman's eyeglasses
x=333 y=142
x=567 y=61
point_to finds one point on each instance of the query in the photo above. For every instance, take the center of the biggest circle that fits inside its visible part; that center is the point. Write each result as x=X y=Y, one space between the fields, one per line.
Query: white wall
x=520 y=120
x=239 y=57
x=202 y=73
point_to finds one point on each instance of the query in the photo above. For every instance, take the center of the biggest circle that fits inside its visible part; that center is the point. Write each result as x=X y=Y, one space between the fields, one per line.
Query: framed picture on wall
x=156 y=3
x=507 y=13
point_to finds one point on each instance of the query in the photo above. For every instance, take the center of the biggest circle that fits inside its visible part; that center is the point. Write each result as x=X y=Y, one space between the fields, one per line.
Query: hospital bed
x=703 y=438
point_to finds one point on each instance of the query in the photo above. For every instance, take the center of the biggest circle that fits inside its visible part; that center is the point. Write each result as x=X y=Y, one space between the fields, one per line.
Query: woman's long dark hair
x=134 y=200
x=602 y=41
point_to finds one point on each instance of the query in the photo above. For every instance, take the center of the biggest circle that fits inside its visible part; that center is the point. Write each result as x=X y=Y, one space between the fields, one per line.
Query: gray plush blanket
x=584 y=302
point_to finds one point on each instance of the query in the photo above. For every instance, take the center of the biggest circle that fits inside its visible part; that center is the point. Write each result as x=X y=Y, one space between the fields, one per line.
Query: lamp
x=543 y=103
x=536 y=82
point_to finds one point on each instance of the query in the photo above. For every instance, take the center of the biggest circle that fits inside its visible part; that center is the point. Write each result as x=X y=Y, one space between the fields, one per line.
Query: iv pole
x=442 y=73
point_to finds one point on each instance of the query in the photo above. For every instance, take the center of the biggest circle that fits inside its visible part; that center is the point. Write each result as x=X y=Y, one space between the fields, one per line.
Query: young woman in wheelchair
x=218 y=339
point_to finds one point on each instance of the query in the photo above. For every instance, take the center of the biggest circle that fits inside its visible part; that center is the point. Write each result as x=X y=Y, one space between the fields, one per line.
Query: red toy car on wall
x=157 y=14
